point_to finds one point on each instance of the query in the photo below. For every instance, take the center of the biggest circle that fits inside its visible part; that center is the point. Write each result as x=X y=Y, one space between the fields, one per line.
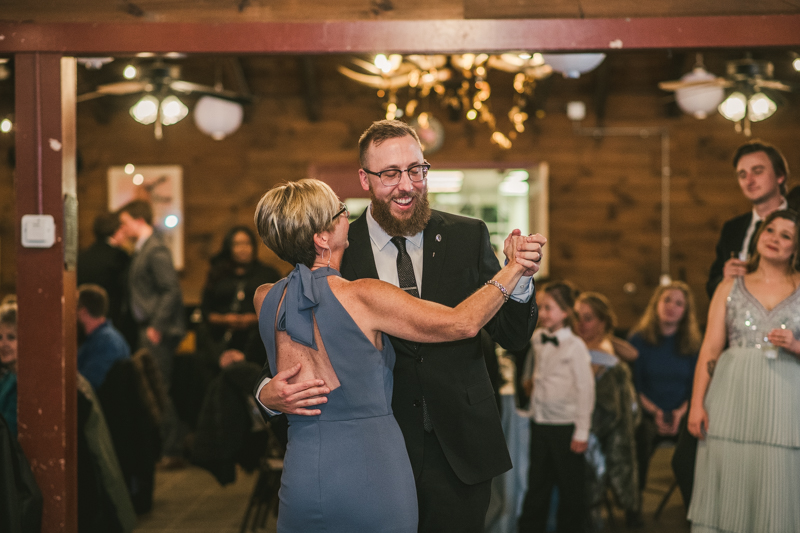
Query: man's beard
x=421 y=214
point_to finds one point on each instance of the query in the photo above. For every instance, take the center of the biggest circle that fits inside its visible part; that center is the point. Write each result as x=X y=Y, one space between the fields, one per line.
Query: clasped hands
x=526 y=250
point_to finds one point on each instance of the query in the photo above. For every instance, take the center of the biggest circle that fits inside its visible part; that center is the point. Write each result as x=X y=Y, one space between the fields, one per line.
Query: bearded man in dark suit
x=443 y=398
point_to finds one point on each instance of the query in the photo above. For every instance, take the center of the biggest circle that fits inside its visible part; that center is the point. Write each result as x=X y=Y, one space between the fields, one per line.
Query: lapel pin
x=438 y=237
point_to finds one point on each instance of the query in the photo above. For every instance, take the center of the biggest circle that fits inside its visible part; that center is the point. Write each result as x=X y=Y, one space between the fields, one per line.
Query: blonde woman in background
x=667 y=338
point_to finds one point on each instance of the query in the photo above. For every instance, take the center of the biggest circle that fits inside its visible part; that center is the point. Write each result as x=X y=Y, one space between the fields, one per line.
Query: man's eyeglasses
x=342 y=211
x=391 y=177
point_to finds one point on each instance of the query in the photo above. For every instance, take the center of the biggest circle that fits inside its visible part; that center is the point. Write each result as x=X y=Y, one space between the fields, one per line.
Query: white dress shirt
x=385 y=254
x=563 y=383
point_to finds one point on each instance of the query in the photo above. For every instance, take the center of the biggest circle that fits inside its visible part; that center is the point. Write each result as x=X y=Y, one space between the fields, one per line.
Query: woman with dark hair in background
x=596 y=323
x=667 y=338
x=616 y=412
x=227 y=306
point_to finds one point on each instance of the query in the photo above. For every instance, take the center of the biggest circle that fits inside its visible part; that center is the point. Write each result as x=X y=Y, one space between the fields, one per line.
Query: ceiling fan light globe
x=734 y=107
x=760 y=107
x=217 y=117
x=145 y=110
x=129 y=72
x=172 y=110
x=573 y=65
x=699 y=101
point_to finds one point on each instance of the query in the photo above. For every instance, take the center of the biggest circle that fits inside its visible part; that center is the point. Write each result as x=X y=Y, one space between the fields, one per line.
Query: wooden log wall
x=605 y=192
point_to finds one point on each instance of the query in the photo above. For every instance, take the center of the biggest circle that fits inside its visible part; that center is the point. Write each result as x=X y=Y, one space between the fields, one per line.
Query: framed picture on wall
x=162 y=186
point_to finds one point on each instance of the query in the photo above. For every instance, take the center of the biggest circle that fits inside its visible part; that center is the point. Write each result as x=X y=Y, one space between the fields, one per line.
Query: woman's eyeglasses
x=342 y=211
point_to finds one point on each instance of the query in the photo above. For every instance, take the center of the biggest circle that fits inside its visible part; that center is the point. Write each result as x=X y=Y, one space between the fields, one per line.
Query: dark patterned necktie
x=751 y=246
x=405 y=269
x=408 y=282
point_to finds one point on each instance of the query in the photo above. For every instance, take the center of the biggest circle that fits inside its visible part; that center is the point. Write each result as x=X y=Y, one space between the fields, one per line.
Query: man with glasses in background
x=443 y=398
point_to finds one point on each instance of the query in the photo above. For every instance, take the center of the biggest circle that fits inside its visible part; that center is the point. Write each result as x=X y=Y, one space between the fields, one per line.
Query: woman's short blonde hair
x=288 y=216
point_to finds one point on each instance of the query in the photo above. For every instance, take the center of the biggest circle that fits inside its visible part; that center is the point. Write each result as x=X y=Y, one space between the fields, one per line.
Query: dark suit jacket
x=452 y=376
x=107 y=266
x=155 y=289
x=730 y=242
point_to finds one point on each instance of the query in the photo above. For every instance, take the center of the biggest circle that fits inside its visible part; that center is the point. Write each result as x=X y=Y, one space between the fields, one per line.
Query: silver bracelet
x=497 y=284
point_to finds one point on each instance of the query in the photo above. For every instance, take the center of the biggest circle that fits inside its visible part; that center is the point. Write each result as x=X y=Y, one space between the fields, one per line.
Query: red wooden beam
x=445 y=36
x=46 y=329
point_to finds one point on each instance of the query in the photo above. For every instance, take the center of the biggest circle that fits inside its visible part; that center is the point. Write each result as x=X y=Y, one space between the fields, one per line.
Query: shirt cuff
x=524 y=290
x=269 y=411
x=580 y=435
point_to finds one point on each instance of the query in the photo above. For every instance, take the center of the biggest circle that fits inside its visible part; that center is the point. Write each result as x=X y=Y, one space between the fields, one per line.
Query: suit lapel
x=434 y=246
x=359 y=262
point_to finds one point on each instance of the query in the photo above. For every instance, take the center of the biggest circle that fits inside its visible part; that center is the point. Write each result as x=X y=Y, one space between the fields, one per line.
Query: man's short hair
x=94 y=299
x=779 y=164
x=380 y=131
x=139 y=209
x=105 y=225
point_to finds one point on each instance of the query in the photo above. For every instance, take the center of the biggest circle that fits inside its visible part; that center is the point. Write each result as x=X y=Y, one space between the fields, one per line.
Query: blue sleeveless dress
x=346 y=470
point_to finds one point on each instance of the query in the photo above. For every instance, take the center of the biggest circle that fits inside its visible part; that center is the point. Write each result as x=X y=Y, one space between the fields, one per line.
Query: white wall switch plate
x=38 y=231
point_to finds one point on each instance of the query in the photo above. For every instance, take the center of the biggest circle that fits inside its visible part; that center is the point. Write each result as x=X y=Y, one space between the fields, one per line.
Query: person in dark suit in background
x=443 y=398
x=157 y=306
x=106 y=263
x=762 y=172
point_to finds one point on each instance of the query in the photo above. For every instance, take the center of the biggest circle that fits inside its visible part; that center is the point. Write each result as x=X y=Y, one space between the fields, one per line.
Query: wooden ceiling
x=41 y=11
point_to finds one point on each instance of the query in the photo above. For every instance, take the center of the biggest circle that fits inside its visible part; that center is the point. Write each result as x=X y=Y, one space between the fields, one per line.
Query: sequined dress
x=346 y=470
x=747 y=477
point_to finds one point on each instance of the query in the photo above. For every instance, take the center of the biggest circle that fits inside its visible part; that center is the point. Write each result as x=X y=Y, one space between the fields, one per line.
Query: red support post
x=46 y=330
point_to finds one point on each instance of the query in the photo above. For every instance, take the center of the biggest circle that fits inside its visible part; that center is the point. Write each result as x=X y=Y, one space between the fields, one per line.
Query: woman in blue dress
x=347 y=469
x=747 y=416
x=667 y=338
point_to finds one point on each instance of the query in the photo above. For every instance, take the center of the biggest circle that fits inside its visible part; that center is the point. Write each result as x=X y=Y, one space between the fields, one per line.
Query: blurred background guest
x=104 y=345
x=596 y=323
x=105 y=263
x=156 y=302
x=8 y=365
x=667 y=338
x=228 y=311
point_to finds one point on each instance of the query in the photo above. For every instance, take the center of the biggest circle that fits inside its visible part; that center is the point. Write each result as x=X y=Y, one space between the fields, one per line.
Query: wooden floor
x=190 y=500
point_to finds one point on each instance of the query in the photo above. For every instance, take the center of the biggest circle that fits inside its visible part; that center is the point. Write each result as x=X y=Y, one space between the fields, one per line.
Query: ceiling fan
x=751 y=84
x=159 y=82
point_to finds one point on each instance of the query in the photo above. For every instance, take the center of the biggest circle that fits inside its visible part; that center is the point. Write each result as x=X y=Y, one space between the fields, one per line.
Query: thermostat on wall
x=38 y=231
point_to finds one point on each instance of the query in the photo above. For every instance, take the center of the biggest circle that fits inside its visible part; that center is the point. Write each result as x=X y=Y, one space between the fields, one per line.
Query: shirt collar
x=784 y=205
x=561 y=334
x=102 y=326
x=143 y=239
x=381 y=238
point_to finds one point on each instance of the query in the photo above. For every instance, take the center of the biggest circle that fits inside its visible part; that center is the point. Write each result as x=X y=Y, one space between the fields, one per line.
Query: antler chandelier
x=459 y=82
